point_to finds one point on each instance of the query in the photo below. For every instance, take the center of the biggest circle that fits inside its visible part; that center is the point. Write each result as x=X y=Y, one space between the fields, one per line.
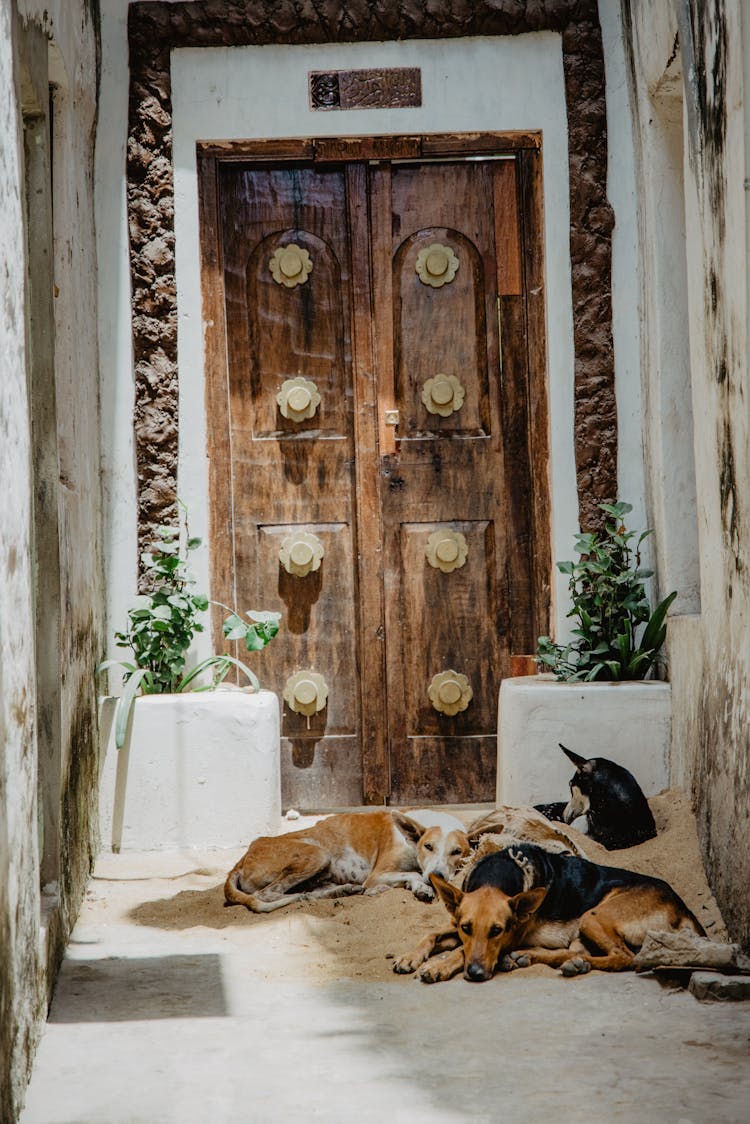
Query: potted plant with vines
x=188 y=765
x=600 y=695
x=162 y=624
x=617 y=635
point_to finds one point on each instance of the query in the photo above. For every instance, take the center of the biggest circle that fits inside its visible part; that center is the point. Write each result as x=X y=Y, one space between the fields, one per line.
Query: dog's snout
x=476 y=972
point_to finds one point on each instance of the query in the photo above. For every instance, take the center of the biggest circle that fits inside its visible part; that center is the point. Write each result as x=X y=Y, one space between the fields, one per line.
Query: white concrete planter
x=198 y=770
x=629 y=723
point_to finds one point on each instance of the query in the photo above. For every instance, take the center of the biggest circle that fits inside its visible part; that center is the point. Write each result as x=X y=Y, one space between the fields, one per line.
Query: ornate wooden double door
x=373 y=406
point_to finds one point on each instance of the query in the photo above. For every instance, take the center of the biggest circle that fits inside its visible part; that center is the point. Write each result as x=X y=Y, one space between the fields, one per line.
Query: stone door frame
x=155 y=28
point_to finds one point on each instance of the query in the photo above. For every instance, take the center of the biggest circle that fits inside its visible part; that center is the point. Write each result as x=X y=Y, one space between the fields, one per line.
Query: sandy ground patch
x=356 y=937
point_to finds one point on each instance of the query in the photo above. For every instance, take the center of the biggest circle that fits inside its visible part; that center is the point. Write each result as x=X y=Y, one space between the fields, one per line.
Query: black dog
x=610 y=797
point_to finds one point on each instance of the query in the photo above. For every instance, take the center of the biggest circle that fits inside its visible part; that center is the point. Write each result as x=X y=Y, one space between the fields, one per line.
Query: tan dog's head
x=441 y=845
x=489 y=923
x=441 y=852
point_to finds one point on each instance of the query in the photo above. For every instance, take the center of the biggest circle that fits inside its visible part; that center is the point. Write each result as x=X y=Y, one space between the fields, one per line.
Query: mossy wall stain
x=722 y=780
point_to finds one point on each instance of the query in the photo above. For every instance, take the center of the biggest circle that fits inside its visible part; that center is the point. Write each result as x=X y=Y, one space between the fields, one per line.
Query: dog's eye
x=429 y=847
x=495 y=930
x=456 y=851
x=466 y=929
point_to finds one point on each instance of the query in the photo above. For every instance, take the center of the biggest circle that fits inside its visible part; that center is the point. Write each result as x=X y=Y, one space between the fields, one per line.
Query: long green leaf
x=623 y=644
x=130 y=667
x=635 y=669
x=654 y=626
x=217 y=661
x=125 y=705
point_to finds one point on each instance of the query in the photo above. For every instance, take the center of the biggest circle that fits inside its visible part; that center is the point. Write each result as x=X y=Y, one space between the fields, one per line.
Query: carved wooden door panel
x=286 y=269
x=370 y=467
x=448 y=526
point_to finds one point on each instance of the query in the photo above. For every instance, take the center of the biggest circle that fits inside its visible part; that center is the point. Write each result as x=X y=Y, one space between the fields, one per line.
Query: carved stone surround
x=154 y=28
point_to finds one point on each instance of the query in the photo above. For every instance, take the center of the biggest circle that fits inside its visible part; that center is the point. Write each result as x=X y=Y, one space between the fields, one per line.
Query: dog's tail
x=233 y=895
x=683 y=917
x=690 y=921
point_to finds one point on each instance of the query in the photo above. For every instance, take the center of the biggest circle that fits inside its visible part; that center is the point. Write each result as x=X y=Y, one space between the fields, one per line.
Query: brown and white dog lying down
x=348 y=853
x=525 y=905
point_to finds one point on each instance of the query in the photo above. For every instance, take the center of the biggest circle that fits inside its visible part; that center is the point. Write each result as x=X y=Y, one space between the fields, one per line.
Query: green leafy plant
x=161 y=627
x=617 y=634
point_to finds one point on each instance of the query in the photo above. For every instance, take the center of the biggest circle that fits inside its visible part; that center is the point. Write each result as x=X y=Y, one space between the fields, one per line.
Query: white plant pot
x=629 y=723
x=198 y=770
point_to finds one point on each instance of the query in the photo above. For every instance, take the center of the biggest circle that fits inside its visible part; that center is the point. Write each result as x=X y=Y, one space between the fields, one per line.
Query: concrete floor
x=192 y=1023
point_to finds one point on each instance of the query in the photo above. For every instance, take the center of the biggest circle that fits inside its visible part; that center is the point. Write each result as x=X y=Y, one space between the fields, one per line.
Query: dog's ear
x=528 y=902
x=408 y=827
x=576 y=758
x=449 y=894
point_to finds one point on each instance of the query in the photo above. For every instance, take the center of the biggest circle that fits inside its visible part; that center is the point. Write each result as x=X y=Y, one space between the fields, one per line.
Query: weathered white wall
x=668 y=405
x=26 y=961
x=234 y=93
x=21 y=1004
x=115 y=340
x=626 y=305
x=688 y=96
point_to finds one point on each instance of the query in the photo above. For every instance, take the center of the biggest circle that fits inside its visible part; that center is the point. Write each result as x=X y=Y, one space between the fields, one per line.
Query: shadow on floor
x=190 y=908
x=124 y=989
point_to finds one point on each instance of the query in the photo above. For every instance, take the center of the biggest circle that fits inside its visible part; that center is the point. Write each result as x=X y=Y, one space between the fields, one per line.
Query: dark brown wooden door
x=360 y=463
x=445 y=482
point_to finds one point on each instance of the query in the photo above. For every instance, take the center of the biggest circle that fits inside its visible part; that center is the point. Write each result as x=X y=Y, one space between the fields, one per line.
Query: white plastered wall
x=49 y=522
x=115 y=340
x=626 y=310
x=468 y=85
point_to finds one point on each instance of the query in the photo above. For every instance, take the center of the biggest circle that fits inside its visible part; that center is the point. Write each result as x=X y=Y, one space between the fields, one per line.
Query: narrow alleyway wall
x=50 y=570
x=690 y=77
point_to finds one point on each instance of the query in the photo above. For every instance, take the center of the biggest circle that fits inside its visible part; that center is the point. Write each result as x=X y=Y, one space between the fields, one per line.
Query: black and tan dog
x=524 y=905
x=609 y=796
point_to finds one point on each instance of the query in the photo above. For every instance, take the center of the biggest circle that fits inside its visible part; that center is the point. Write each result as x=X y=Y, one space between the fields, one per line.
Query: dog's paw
x=405 y=964
x=576 y=966
x=431 y=973
x=507 y=964
x=423 y=891
x=520 y=959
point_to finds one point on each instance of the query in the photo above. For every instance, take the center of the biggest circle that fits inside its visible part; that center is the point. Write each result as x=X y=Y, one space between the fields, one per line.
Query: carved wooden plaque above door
x=372 y=463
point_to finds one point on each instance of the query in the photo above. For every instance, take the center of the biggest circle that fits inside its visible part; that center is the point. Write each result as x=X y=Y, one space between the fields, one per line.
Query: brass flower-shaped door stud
x=301 y=553
x=446 y=550
x=298 y=399
x=450 y=692
x=290 y=265
x=436 y=265
x=306 y=692
x=443 y=395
